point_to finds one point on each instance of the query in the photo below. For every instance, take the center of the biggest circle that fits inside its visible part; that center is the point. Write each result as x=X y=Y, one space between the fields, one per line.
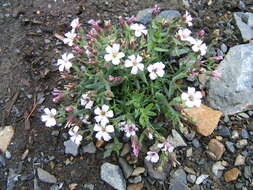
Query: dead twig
x=58 y=36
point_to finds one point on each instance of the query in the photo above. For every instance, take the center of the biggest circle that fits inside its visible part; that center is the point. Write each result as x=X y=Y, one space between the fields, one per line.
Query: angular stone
x=231 y=175
x=233 y=92
x=71 y=147
x=159 y=175
x=6 y=133
x=176 y=185
x=216 y=147
x=176 y=139
x=168 y=15
x=144 y=16
x=113 y=175
x=89 y=148
x=138 y=171
x=138 y=186
x=240 y=160
x=46 y=177
x=205 y=118
x=201 y=178
x=127 y=169
x=244 y=22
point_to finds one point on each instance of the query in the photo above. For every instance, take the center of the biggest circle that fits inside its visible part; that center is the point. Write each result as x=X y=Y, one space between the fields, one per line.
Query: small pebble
x=241 y=143
x=135 y=180
x=235 y=134
x=7 y=155
x=191 y=178
x=230 y=146
x=224 y=132
x=245 y=134
x=240 y=160
x=244 y=115
x=196 y=143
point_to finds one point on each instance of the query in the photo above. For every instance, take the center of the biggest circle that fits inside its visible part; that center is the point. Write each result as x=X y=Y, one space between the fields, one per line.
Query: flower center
x=191 y=97
x=102 y=113
x=114 y=55
x=134 y=63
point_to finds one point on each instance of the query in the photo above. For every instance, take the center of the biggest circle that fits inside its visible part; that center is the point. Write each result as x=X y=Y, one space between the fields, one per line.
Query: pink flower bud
x=217 y=58
x=69 y=109
x=156 y=10
x=216 y=75
x=78 y=49
x=110 y=78
x=107 y=24
x=135 y=147
x=201 y=33
x=95 y=24
x=131 y=20
x=122 y=21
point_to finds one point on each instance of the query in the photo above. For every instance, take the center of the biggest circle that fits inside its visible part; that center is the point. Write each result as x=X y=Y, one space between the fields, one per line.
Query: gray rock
x=239 y=160
x=127 y=169
x=2 y=161
x=71 y=147
x=245 y=134
x=46 y=177
x=233 y=92
x=235 y=134
x=89 y=148
x=230 y=146
x=89 y=187
x=224 y=132
x=179 y=175
x=159 y=175
x=201 y=178
x=113 y=175
x=176 y=139
x=224 y=48
x=36 y=184
x=126 y=149
x=189 y=152
x=135 y=180
x=244 y=115
x=241 y=143
x=168 y=15
x=12 y=179
x=144 y=16
x=176 y=185
x=244 y=22
x=7 y=155
x=217 y=169
x=247 y=172
x=196 y=143
x=191 y=178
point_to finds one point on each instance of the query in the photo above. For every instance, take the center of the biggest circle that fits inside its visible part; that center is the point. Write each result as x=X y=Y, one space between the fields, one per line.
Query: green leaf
x=161 y=49
x=178 y=52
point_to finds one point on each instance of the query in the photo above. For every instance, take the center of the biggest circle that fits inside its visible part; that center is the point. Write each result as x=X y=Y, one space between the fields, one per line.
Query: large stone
x=154 y=173
x=217 y=148
x=205 y=119
x=113 y=175
x=6 y=133
x=231 y=174
x=233 y=92
x=176 y=185
x=168 y=15
x=127 y=169
x=45 y=176
x=176 y=139
x=71 y=147
x=244 y=22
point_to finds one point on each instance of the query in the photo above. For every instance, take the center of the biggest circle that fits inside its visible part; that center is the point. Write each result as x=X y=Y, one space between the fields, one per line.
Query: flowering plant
x=128 y=81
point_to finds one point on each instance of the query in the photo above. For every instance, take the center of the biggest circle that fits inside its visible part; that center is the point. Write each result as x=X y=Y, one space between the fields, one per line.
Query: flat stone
x=231 y=175
x=240 y=160
x=144 y=16
x=191 y=178
x=244 y=22
x=176 y=139
x=138 y=171
x=233 y=92
x=46 y=177
x=224 y=132
x=113 y=175
x=89 y=148
x=168 y=15
x=135 y=180
x=127 y=169
x=201 y=178
x=179 y=175
x=216 y=147
x=241 y=143
x=217 y=169
x=6 y=134
x=205 y=119
x=71 y=147
x=126 y=149
x=230 y=146
x=247 y=172
x=138 y=186
x=89 y=187
x=245 y=134
x=176 y=185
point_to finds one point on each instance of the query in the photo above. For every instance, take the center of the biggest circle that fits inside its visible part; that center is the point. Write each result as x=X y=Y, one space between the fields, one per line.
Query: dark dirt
x=28 y=52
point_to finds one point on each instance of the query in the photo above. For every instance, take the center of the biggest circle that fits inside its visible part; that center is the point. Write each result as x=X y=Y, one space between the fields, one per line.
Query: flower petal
x=109 y=128
x=105 y=108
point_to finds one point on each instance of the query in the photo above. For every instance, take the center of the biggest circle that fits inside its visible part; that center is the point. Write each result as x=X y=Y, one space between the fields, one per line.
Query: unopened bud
x=69 y=109
x=201 y=33
x=122 y=21
x=156 y=10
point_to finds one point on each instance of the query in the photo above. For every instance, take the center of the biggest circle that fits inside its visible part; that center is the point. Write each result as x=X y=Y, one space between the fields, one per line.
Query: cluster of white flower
x=192 y=98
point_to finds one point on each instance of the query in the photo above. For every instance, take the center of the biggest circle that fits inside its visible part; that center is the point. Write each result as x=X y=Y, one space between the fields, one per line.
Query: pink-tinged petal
x=140 y=66
x=138 y=59
x=160 y=73
x=97 y=111
x=152 y=76
x=109 y=128
x=108 y=49
x=61 y=68
x=150 y=68
x=109 y=114
x=60 y=62
x=145 y=32
x=66 y=40
x=44 y=118
x=132 y=57
x=198 y=95
x=115 y=61
x=108 y=57
x=53 y=111
x=105 y=108
x=104 y=121
x=98 y=118
x=160 y=145
x=191 y=90
x=197 y=103
x=121 y=55
x=68 y=65
x=89 y=105
x=160 y=65
x=106 y=136
x=99 y=135
x=128 y=63
x=189 y=104
x=133 y=26
x=134 y=70
x=137 y=33
x=97 y=127
x=185 y=96
x=70 y=56
x=115 y=48
x=47 y=111
x=155 y=159
x=51 y=122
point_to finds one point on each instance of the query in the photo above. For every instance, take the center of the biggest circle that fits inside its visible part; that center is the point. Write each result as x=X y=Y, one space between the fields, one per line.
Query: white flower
x=113 y=54
x=85 y=119
x=188 y=18
x=49 y=117
x=156 y=70
x=75 y=137
x=70 y=37
x=75 y=23
x=103 y=131
x=165 y=146
x=152 y=156
x=192 y=98
x=139 y=29
x=199 y=46
x=64 y=63
x=86 y=101
x=185 y=35
x=130 y=129
x=134 y=62
x=103 y=114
